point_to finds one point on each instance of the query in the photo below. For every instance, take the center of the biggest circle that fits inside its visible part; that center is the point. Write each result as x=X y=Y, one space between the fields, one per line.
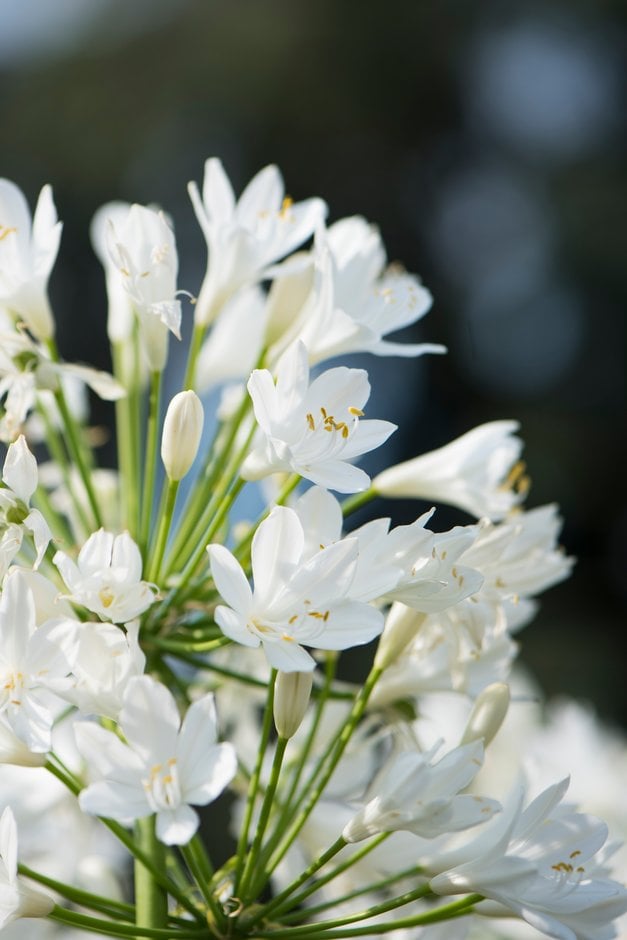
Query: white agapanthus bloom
x=106 y=577
x=17 y=897
x=298 y=599
x=415 y=794
x=163 y=768
x=28 y=251
x=27 y=370
x=245 y=237
x=312 y=429
x=539 y=863
x=120 y=318
x=33 y=659
x=143 y=249
x=20 y=479
x=479 y=472
x=347 y=302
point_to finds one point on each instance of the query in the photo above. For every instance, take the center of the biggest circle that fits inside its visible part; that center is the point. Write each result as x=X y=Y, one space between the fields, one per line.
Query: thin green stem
x=58 y=453
x=151 y=901
x=165 y=521
x=201 y=870
x=190 y=646
x=115 y=929
x=195 y=346
x=76 y=449
x=355 y=502
x=96 y=902
x=253 y=787
x=264 y=816
x=150 y=463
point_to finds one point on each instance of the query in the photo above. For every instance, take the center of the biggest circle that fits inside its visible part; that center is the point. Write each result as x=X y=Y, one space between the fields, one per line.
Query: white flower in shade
x=106 y=577
x=539 y=863
x=163 y=768
x=143 y=249
x=351 y=303
x=298 y=599
x=17 y=898
x=106 y=658
x=33 y=659
x=27 y=254
x=479 y=472
x=19 y=475
x=313 y=429
x=246 y=237
x=416 y=794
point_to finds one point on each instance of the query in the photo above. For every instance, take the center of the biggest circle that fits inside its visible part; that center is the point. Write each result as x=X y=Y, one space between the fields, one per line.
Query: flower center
x=162 y=787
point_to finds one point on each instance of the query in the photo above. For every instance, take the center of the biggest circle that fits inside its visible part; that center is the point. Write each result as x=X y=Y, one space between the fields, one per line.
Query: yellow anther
x=286 y=205
x=293 y=618
x=6 y=231
x=310 y=421
x=106 y=597
x=356 y=411
x=287 y=638
x=517 y=471
x=575 y=853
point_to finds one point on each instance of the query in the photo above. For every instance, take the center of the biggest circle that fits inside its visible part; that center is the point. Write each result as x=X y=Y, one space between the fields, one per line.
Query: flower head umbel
x=298 y=599
x=27 y=254
x=106 y=577
x=163 y=767
x=313 y=429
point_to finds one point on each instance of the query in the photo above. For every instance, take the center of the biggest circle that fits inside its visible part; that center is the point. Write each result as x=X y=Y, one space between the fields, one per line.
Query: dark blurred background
x=484 y=139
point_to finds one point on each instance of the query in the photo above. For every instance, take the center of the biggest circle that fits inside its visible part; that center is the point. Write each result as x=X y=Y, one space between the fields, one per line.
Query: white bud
x=488 y=714
x=401 y=626
x=182 y=429
x=291 y=698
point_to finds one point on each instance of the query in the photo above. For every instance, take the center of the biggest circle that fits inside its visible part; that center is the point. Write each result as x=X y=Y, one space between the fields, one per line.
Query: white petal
x=230 y=579
x=20 y=469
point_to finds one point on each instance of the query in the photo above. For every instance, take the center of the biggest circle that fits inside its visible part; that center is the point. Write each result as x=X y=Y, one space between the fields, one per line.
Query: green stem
x=200 y=867
x=108 y=906
x=112 y=929
x=76 y=449
x=355 y=502
x=150 y=464
x=253 y=787
x=264 y=816
x=165 y=521
x=195 y=346
x=183 y=646
x=59 y=455
x=151 y=901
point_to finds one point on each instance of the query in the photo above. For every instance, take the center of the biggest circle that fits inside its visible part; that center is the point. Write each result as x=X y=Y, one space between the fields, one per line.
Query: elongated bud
x=488 y=714
x=291 y=698
x=401 y=626
x=182 y=429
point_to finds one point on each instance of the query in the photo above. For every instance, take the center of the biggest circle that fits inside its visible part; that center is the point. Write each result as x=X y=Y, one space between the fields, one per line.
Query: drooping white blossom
x=479 y=472
x=298 y=599
x=165 y=765
x=106 y=577
x=312 y=429
x=28 y=250
x=245 y=237
x=17 y=897
x=414 y=793
x=19 y=475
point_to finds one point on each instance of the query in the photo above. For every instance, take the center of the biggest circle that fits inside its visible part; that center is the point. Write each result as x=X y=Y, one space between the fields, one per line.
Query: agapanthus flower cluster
x=168 y=662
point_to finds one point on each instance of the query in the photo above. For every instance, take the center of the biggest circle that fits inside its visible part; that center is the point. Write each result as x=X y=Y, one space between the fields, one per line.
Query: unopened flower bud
x=488 y=714
x=401 y=626
x=291 y=698
x=182 y=429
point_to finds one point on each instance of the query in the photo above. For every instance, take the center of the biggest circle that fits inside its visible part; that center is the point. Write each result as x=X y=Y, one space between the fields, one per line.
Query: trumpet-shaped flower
x=298 y=599
x=313 y=429
x=539 y=862
x=17 y=898
x=165 y=765
x=106 y=577
x=144 y=251
x=28 y=251
x=479 y=472
x=246 y=237
x=32 y=659
x=423 y=797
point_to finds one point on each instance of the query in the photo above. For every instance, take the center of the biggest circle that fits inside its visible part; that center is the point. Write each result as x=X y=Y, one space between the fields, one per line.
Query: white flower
x=352 y=303
x=539 y=863
x=19 y=475
x=164 y=766
x=415 y=794
x=144 y=251
x=120 y=314
x=478 y=472
x=297 y=599
x=313 y=430
x=106 y=578
x=32 y=659
x=27 y=254
x=17 y=898
x=246 y=237
x=182 y=430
